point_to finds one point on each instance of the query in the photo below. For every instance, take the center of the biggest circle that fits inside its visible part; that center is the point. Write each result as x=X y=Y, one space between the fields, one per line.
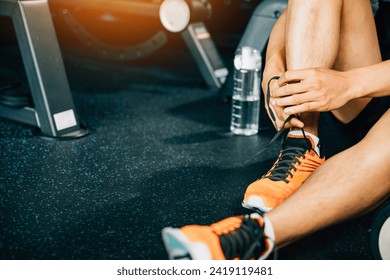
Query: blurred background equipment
x=126 y=30
x=52 y=109
x=114 y=32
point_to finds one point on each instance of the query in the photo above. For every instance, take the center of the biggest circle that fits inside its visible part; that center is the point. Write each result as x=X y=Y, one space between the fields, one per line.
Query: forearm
x=370 y=81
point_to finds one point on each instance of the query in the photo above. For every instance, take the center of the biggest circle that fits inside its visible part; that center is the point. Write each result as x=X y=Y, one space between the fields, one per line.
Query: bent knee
x=376 y=141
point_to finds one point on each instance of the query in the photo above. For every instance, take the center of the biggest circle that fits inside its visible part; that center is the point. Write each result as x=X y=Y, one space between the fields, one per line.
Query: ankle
x=307 y=129
x=312 y=137
x=311 y=122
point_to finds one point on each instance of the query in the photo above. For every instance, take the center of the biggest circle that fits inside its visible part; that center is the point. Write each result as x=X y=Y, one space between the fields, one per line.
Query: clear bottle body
x=246 y=93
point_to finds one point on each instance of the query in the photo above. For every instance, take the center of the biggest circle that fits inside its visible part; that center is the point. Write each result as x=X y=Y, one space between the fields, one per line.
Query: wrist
x=354 y=84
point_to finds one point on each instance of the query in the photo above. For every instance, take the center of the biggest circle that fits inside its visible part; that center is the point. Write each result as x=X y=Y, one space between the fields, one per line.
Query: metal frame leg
x=54 y=111
x=206 y=55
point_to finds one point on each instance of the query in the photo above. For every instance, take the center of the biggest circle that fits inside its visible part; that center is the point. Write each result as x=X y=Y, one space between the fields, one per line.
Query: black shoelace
x=246 y=242
x=281 y=131
x=285 y=164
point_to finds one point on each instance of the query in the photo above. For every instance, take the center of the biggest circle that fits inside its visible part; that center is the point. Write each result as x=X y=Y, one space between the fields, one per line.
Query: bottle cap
x=247 y=58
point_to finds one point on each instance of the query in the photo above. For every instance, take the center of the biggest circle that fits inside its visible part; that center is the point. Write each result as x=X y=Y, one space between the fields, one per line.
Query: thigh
x=377 y=138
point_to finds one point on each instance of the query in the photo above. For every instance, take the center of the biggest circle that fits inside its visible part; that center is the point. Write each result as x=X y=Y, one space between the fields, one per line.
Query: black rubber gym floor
x=159 y=154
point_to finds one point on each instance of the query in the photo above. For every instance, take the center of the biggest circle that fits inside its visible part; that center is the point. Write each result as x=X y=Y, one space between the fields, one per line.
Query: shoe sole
x=179 y=247
x=256 y=204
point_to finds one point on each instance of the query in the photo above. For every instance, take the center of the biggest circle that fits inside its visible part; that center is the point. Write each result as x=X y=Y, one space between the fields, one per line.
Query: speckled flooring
x=159 y=154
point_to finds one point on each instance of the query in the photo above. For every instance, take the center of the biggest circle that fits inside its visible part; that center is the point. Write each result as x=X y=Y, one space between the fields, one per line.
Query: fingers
x=281 y=116
x=294 y=76
x=293 y=100
x=294 y=122
x=303 y=108
x=273 y=86
x=286 y=90
x=291 y=89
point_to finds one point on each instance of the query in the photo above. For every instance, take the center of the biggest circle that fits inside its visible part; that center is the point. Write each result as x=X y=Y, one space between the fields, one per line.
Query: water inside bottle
x=245 y=115
x=245 y=103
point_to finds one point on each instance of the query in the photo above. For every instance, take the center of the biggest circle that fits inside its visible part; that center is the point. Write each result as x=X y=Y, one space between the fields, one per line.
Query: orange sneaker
x=240 y=237
x=296 y=162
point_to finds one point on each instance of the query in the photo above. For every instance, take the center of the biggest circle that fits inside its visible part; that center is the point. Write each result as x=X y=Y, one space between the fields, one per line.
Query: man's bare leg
x=348 y=184
x=359 y=47
x=338 y=34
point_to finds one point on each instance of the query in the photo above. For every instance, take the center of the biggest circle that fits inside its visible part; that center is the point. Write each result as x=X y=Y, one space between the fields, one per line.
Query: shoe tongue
x=300 y=142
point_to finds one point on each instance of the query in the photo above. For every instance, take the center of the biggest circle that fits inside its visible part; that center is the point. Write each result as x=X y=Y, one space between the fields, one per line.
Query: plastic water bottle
x=246 y=93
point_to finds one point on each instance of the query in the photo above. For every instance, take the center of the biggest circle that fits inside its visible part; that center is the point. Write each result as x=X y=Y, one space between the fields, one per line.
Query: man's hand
x=278 y=111
x=310 y=90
